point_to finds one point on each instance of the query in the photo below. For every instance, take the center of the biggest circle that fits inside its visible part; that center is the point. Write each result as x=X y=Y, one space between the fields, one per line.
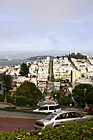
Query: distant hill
x=40 y=57
x=77 y=56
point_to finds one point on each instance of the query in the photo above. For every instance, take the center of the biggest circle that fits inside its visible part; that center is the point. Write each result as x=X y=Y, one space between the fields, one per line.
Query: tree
x=66 y=101
x=10 y=97
x=77 y=56
x=56 y=95
x=28 y=93
x=24 y=70
x=7 y=82
x=1 y=98
x=50 y=71
x=83 y=93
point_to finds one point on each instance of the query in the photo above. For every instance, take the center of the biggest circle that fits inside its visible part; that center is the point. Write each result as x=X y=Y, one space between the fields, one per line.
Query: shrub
x=66 y=101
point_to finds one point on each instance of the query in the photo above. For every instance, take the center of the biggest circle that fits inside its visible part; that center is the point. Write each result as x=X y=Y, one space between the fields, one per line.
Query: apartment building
x=75 y=74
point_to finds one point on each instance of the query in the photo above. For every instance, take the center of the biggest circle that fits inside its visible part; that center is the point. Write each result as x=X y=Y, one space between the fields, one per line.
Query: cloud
x=69 y=20
x=51 y=39
x=46 y=11
x=4 y=34
x=49 y=10
x=6 y=46
x=82 y=36
x=45 y=24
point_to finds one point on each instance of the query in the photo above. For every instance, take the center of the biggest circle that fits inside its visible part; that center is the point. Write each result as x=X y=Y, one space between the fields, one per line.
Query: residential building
x=84 y=81
x=75 y=74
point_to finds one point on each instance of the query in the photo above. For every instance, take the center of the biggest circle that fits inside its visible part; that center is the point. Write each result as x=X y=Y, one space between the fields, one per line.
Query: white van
x=48 y=108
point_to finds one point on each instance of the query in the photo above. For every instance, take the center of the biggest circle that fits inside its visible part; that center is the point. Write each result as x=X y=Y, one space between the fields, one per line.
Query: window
x=68 y=115
x=51 y=108
x=54 y=107
x=49 y=117
x=60 y=117
x=57 y=107
x=64 y=116
x=75 y=115
x=44 y=108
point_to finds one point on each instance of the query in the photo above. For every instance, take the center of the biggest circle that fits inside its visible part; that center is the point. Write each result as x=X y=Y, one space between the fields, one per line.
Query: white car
x=57 y=118
x=48 y=108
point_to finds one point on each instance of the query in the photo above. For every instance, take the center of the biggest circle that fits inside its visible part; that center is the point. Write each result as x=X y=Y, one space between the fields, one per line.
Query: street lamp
x=5 y=95
x=85 y=90
x=55 y=97
x=15 y=98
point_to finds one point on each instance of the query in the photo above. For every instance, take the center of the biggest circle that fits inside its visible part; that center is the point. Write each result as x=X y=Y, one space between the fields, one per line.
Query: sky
x=45 y=27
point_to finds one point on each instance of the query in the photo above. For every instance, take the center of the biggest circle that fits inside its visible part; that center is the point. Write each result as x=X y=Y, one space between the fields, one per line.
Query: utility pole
x=5 y=95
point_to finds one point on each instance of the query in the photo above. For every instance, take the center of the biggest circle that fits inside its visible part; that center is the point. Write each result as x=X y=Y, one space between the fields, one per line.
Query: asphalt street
x=9 y=124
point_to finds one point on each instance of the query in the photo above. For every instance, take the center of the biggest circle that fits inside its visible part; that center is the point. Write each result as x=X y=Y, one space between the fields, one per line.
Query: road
x=9 y=124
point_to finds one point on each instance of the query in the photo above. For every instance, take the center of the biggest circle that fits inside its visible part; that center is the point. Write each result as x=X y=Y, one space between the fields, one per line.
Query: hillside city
x=60 y=74
x=46 y=70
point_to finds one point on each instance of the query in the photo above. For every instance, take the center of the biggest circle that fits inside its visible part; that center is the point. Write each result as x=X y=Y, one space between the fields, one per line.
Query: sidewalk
x=3 y=105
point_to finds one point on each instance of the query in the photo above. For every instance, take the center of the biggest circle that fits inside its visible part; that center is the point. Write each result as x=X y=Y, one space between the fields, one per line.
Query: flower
x=39 y=133
x=49 y=131
x=28 y=133
x=84 y=131
x=63 y=126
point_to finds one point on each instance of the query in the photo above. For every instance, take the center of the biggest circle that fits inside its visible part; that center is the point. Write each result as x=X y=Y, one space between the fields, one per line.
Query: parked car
x=48 y=108
x=10 y=107
x=57 y=118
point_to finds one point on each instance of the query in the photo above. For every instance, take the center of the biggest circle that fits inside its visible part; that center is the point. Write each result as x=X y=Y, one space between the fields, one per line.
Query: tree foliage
x=83 y=93
x=77 y=56
x=7 y=82
x=28 y=93
x=24 y=70
x=51 y=71
x=55 y=95
x=1 y=98
x=65 y=101
x=10 y=98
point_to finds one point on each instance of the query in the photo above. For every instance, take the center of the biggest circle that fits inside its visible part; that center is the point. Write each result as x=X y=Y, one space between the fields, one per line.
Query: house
x=20 y=80
x=84 y=81
x=42 y=86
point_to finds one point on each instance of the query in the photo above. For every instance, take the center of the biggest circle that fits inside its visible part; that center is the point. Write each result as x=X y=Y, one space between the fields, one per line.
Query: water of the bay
x=13 y=62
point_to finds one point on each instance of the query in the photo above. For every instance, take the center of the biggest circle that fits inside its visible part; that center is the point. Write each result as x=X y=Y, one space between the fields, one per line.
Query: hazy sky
x=37 y=27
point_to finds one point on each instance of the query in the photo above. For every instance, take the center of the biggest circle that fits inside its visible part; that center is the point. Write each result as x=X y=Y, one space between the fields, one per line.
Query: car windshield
x=49 y=117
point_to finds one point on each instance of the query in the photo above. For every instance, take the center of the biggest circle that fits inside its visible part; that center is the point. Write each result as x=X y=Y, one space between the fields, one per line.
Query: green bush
x=65 y=101
x=66 y=131
x=90 y=112
x=1 y=98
